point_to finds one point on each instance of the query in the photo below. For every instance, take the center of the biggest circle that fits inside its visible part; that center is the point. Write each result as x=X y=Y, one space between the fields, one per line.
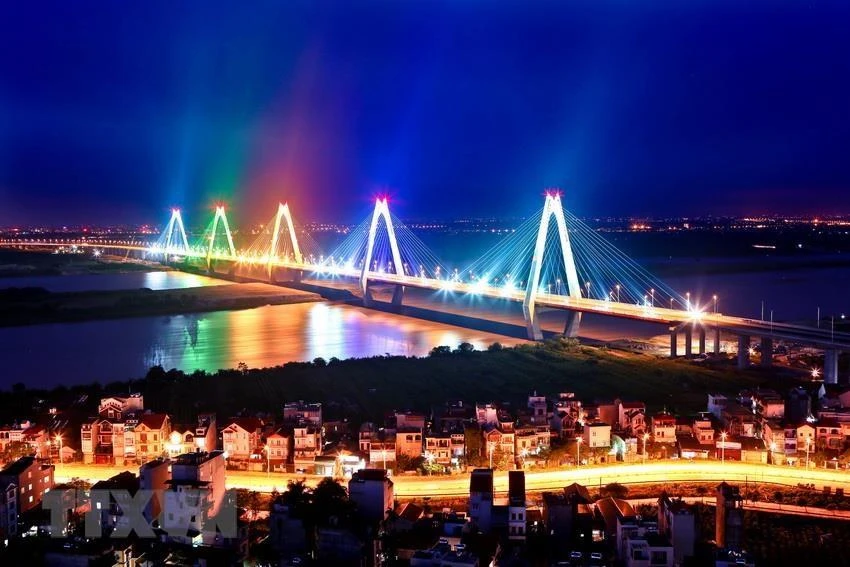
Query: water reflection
x=45 y=355
x=107 y=282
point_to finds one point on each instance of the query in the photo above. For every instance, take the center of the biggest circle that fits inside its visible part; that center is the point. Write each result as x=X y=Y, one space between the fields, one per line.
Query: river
x=106 y=350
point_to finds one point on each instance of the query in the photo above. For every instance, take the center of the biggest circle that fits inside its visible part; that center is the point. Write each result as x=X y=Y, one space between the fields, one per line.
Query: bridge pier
x=398 y=295
x=689 y=341
x=717 y=340
x=701 y=335
x=674 y=342
x=766 y=351
x=743 y=352
x=830 y=366
x=573 y=324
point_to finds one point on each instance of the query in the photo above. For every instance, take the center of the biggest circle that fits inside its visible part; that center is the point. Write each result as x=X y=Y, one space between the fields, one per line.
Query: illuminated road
x=535 y=481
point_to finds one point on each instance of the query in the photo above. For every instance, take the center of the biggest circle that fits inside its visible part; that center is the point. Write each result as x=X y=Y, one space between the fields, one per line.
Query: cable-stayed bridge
x=551 y=261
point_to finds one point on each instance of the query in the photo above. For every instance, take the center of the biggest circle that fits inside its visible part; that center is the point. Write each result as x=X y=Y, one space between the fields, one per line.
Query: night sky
x=111 y=113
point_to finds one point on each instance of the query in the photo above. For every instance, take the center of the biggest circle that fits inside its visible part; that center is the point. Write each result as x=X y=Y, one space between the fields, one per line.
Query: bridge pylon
x=220 y=217
x=551 y=208
x=382 y=210
x=283 y=215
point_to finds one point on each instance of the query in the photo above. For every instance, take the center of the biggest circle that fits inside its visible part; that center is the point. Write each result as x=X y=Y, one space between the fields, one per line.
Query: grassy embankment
x=368 y=388
x=29 y=306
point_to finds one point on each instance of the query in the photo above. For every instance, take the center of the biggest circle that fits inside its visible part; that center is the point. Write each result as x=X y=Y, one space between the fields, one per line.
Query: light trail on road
x=457 y=486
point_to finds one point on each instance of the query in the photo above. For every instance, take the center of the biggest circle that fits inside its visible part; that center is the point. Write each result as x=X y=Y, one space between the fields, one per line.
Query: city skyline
x=632 y=111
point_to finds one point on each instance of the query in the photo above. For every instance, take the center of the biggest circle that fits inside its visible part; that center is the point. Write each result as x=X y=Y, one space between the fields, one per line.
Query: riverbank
x=27 y=263
x=33 y=305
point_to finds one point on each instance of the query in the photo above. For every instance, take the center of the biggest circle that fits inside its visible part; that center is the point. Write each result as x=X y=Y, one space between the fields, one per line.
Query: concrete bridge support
x=674 y=342
x=689 y=341
x=743 y=352
x=830 y=366
x=717 y=340
x=766 y=351
x=701 y=335
x=573 y=323
x=398 y=295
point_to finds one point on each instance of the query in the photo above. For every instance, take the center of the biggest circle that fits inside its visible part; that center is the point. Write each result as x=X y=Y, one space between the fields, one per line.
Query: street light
x=772 y=451
x=652 y=298
x=688 y=300
x=490 y=446
x=645 y=437
x=808 y=441
x=617 y=287
x=723 y=447
x=268 y=460
x=587 y=287
x=815 y=373
x=715 y=304
x=578 y=446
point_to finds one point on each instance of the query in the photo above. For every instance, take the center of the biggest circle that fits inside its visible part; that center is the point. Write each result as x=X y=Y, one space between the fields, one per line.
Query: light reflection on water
x=70 y=353
x=106 y=282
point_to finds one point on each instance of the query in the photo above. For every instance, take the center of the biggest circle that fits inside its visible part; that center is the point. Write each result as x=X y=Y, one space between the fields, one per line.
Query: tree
x=15 y=450
x=408 y=463
x=495 y=347
x=465 y=348
x=614 y=490
x=319 y=362
x=472 y=445
x=330 y=499
x=440 y=350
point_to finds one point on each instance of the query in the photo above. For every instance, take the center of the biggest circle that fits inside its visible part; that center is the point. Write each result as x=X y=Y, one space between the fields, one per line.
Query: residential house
x=716 y=404
x=438 y=448
x=378 y=443
x=372 y=491
x=31 y=480
x=277 y=448
x=566 y=415
x=663 y=428
x=829 y=434
x=516 y=506
x=499 y=437
x=537 y=407
x=241 y=438
x=481 y=499
x=798 y=405
x=408 y=442
x=631 y=419
x=195 y=495
x=150 y=434
x=738 y=420
x=806 y=437
x=703 y=430
x=596 y=434
x=676 y=521
x=410 y=420
x=768 y=404
x=486 y=414
x=307 y=445
x=303 y=412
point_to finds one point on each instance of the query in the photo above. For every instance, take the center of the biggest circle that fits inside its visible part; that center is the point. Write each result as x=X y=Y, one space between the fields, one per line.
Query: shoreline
x=36 y=306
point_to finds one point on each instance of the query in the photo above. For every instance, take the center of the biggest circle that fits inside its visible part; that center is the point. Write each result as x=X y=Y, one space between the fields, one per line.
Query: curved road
x=535 y=481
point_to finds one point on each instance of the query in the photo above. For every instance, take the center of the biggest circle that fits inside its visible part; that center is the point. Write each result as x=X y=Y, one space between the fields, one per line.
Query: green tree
x=495 y=347
x=614 y=490
x=440 y=350
x=15 y=450
x=465 y=348
x=330 y=499
x=472 y=445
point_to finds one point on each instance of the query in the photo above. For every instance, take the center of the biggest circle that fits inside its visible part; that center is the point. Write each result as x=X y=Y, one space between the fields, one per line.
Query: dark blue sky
x=115 y=113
